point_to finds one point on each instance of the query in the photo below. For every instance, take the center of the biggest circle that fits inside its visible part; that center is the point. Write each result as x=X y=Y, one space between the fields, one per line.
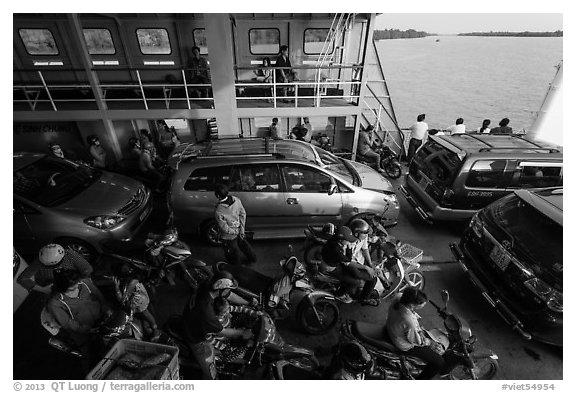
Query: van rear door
x=434 y=168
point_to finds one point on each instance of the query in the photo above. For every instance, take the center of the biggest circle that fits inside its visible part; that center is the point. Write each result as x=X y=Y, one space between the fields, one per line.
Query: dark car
x=512 y=252
x=452 y=177
x=77 y=206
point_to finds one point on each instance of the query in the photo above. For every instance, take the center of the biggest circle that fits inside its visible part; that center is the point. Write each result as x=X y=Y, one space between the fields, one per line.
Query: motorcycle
x=396 y=264
x=322 y=141
x=457 y=342
x=266 y=348
x=292 y=294
x=163 y=255
x=388 y=160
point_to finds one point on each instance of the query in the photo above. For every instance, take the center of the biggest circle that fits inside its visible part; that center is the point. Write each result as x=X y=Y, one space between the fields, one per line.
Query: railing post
x=47 y=91
x=186 y=89
x=142 y=89
x=274 y=87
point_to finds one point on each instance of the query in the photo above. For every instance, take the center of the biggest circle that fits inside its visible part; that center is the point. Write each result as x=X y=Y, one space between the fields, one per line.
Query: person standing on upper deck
x=284 y=73
x=199 y=70
x=458 y=128
x=419 y=131
x=503 y=128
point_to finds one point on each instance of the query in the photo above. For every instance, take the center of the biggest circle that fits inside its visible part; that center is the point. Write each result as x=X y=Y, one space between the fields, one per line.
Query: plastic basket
x=142 y=348
x=410 y=254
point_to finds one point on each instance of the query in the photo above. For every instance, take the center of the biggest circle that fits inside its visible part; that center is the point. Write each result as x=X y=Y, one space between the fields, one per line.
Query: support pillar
x=221 y=57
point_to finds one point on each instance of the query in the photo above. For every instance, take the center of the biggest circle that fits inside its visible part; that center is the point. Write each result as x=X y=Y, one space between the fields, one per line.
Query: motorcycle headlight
x=477 y=225
x=552 y=298
x=104 y=221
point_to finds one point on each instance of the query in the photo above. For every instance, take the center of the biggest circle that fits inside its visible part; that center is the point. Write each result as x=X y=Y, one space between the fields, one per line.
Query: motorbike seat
x=327 y=278
x=373 y=334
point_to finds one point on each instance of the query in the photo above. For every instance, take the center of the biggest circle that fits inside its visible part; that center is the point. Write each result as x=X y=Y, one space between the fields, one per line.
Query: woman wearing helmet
x=361 y=262
x=39 y=276
x=355 y=362
x=97 y=152
x=200 y=319
x=147 y=167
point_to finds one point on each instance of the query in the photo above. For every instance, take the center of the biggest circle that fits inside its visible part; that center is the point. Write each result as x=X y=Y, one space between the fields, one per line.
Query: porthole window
x=99 y=42
x=314 y=41
x=38 y=41
x=264 y=41
x=200 y=40
x=154 y=41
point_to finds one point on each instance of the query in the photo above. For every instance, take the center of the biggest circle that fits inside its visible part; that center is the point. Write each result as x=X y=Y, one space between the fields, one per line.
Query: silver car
x=57 y=200
x=284 y=186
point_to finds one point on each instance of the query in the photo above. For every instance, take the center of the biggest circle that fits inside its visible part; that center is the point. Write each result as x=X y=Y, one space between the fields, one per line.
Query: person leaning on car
x=39 y=276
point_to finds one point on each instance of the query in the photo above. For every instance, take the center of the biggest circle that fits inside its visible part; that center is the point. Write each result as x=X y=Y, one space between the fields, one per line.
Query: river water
x=469 y=77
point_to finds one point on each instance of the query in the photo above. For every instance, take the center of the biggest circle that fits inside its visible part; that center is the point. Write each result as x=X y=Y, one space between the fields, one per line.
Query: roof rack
x=478 y=139
x=254 y=155
x=549 y=150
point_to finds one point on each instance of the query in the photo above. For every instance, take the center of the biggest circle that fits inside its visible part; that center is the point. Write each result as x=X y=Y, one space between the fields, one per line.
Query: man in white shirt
x=419 y=131
x=458 y=128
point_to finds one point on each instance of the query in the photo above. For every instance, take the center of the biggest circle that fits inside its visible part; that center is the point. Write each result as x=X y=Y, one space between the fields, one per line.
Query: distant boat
x=437 y=40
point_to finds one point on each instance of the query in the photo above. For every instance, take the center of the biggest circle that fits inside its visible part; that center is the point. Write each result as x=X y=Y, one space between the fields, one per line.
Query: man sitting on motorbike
x=52 y=258
x=408 y=336
x=230 y=348
x=200 y=319
x=365 y=146
x=338 y=252
x=77 y=306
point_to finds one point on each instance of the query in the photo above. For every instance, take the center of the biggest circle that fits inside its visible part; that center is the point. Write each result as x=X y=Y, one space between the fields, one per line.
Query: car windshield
x=533 y=233
x=51 y=181
x=336 y=165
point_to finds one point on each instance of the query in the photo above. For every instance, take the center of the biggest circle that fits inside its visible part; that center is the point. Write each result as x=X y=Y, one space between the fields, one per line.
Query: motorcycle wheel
x=319 y=318
x=392 y=169
x=485 y=368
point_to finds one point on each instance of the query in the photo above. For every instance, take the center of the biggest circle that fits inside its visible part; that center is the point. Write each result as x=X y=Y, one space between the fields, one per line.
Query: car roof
x=548 y=201
x=21 y=160
x=477 y=143
x=244 y=148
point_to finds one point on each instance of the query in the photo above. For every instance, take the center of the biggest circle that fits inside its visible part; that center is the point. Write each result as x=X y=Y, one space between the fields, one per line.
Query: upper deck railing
x=157 y=87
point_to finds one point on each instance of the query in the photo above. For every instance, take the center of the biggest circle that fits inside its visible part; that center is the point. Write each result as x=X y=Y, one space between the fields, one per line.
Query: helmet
x=358 y=225
x=355 y=358
x=91 y=139
x=51 y=254
x=223 y=280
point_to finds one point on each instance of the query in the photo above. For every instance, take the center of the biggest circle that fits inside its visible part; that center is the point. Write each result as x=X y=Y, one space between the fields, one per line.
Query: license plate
x=424 y=182
x=144 y=214
x=500 y=258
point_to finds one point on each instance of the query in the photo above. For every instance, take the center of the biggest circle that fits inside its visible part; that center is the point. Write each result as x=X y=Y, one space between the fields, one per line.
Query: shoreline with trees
x=392 y=34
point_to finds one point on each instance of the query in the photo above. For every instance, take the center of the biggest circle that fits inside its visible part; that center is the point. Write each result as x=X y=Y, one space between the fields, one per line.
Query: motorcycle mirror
x=445 y=296
x=332 y=189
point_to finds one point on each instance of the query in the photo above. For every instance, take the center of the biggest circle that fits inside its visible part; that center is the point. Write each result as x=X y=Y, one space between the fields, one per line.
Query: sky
x=453 y=23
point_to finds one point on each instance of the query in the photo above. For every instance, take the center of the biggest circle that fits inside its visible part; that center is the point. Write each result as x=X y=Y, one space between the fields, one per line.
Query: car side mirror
x=332 y=189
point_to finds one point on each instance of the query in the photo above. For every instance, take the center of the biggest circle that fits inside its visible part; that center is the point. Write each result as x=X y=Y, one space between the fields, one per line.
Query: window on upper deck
x=314 y=41
x=154 y=41
x=99 y=41
x=200 y=40
x=264 y=41
x=38 y=41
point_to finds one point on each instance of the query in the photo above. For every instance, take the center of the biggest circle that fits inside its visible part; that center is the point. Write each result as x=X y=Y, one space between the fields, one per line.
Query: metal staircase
x=340 y=24
x=377 y=108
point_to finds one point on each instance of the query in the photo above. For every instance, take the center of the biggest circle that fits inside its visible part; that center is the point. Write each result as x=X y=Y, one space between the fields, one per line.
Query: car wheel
x=80 y=246
x=211 y=233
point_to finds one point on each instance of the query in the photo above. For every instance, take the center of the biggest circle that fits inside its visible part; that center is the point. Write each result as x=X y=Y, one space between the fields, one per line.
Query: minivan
x=284 y=185
x=77 y=206
x=512 y=252
x=452 y=177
